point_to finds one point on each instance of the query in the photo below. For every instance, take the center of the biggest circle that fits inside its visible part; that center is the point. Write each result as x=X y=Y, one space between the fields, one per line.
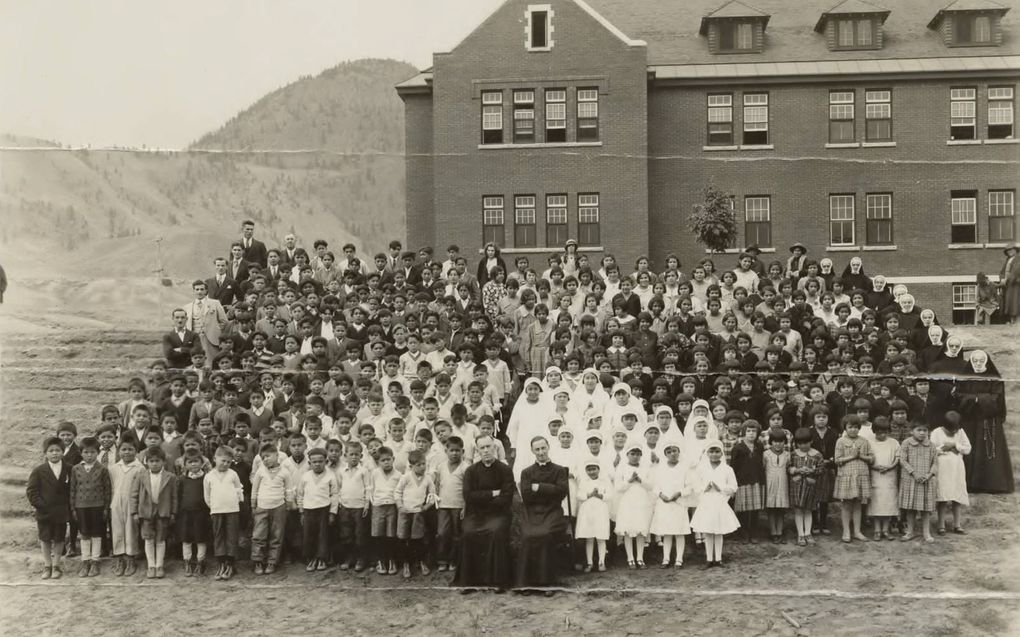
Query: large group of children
x=334 y=422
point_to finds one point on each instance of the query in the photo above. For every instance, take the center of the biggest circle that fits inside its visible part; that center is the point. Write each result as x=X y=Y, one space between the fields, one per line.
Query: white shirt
x=223 y=491
x=155 y=479
x=56 y=468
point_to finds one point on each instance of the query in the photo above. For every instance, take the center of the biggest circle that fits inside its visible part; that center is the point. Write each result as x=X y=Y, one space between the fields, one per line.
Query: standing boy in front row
x=224 y=495
x=154 y=508
x=91 y=494
x=272 y=495
x=318 y=496
x=49 y=493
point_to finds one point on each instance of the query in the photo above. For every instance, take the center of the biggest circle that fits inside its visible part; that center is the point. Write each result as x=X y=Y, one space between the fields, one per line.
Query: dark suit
x=182 y=412
x=271 y=276
x=256 y=252
x=225 y=293
x=238 y=272
x=412 y=274
x=50 y=496
x=285 y=257
x=187 y=345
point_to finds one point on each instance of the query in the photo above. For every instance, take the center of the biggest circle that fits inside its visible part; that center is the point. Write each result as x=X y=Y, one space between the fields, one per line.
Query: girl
x=749 y=468
x=634 y=509
x=853 y=458
x=715 y=483
x=805 y=465
x=776 y=460
x=669 y=513
x=951 y=444
x=918 y=480
x=883 y=508
x=535 y=341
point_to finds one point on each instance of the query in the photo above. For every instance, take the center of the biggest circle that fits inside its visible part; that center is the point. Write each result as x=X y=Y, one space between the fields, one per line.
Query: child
x=634 y=510
x=670 y=521
x=384 y=511
x=987 y=300
x=318 y=498
x=193 y=519
x=49 y=493
x=853 y=458
x=415 y=494
x=805 y=465
x=123 y=528
x=951 y=444
x=594 y=490
x=777 y=488
x=355 y=494
x=224 y=495
x=272 y=495
x=918 y=480
x=749 y=468
x=91 y=494
x=449 y=482
x=883 y=507
x=154 y=508
x=715 y=482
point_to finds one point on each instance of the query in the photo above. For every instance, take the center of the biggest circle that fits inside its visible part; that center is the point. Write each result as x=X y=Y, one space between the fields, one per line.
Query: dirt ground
x=960 y=585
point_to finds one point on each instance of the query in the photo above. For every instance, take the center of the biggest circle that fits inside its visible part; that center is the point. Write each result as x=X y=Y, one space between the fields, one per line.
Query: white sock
x=628 y=546
x=667 y=548
x=186 y=551
x=97 y=548
x=601 y=544
x=160 y=553
x=201 y=551
x=681 y=543
x=640 y=541
x=150 y=553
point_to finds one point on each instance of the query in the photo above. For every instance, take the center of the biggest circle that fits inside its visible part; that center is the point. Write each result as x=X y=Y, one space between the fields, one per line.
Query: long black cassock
x=485 y=534
x=543 y=524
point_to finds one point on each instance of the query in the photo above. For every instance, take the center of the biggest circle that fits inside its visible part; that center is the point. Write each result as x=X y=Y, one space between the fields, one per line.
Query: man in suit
x=179 y=343
x=412 y=272
x=253 y=249
x=207 y=318
x=221 y=287
x=393 y=258
x=289 y=248
x=273 y=270
x=237 y=267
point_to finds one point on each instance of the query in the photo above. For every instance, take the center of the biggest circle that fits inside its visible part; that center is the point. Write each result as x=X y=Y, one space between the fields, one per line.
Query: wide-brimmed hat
x=1015 y=248
x=802 y=247
x=753 y=249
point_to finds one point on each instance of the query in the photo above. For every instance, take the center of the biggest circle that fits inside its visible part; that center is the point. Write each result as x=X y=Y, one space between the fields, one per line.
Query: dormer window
x=972 y=29
x=538 y=27
x=853 y=25
x=970 y=23
x=735 y=28
x=736 y=36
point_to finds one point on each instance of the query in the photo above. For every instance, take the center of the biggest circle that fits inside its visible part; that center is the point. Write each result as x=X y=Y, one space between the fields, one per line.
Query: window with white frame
x=841 y=117
x=1001 y=216
x=963 y=216
x=587 y=114
x=855 y=34
x=525 y=223
x=539 y=27
x=492 y=117
x=758 y=221
x=588 y=233
x=972 y=29
x=720 y=119
x=555 y=115
x=556 y=232
x=756 y=119
x=965 y=297
x=878 y=115
x=1000 y=112
x=878 y=219
x=736 y=36
x=492 y=220
x=963 y=113
x=841 y=220
x=524 y=117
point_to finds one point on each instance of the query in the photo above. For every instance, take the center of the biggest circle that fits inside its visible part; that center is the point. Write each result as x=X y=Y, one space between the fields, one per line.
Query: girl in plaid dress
x=805 y=465
x=918 y=480
x=746 y=462
x=853 y=458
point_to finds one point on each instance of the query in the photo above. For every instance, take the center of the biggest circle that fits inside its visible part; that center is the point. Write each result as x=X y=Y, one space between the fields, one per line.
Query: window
x=539 y=28
x=1000 y=112
x=756 y=118
x=841 y=220
x=720 y=120
x=855 y=34
x=841 y=117
x=492 y=220
x=758 y=221
x=963 y=217
x=963 y=109
x=587 y=114
x=555 y=220
x=878 y=116
x=736 y=36
x=555 y=115
x=524 y=222
x=1001 y=217
x=492 y=117
x=971 y=29
x=879 y=220
x=588 y=220
x=524 y=117
x=964 y=302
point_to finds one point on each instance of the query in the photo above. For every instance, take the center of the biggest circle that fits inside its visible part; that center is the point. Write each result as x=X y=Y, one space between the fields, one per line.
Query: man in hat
x=757 y=265
x=796 y=263
x=1009 y=280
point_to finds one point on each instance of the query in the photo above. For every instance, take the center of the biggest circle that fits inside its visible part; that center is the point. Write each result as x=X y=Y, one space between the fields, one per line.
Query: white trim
x=549 y=42
x=844 y=145
x=879 y=248
x=1002 y=141
x=878 y=144
x=717 y=148
x=540 y=145
x=757 y=147
x=966 y=246
x=607 y=25
x=740 y=250
x=963 y=142
x=961 y=278
x=549 y=250
x=842 y=248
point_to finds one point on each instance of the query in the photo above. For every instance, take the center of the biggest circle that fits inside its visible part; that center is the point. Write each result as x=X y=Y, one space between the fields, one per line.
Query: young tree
x=713 y=222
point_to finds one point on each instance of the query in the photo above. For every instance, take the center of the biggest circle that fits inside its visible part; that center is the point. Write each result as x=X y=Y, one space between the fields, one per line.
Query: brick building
x=855 y=129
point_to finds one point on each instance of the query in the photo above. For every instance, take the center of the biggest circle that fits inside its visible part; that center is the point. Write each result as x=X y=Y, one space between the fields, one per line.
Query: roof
x=987 y=6
x=670 y=28
x=851 y=7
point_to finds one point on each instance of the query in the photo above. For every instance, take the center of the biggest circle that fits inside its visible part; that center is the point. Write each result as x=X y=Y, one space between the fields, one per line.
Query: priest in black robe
x=485 y=531
x=543 y=526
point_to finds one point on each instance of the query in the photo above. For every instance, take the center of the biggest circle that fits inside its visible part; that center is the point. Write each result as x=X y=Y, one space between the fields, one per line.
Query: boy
x=172 y=440
x=223 y=419
x=384 y=511
x=272 y=495
x=355 y=495
x=318 y=496
x=49 y=493
x=296 y=464
x=449 y=484
x=154 y=508
x=123 y=529
x=67 y=432
x=224 y=495
x=414 y=495
x=91 y=494
x=207 y=405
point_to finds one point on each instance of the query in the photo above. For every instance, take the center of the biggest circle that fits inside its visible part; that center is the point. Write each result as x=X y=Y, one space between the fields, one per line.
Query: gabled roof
x=987 y=6
x=851 y=7
x=732 y=9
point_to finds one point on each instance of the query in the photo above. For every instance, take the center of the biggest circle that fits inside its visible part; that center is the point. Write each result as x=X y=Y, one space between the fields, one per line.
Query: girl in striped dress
x=805 y=466
x=853 y=458
x=918 y=480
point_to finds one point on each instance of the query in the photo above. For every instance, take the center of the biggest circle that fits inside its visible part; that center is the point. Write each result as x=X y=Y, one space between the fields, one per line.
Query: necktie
x=219 y=280
x=104 y=456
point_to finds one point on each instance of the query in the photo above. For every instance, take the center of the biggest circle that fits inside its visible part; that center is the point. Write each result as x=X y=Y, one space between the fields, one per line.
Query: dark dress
x=543 y=526
x=485 y=543
x=982 y=405
x=825 y=445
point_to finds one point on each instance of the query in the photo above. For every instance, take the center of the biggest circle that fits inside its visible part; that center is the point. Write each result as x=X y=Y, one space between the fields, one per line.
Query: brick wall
x=420 y=216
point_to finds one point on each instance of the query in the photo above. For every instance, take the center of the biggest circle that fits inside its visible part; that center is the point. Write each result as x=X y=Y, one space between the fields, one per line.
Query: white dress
x=884 y=486
x=714 y=514
x=670 y=518
x=634 y=502
x=952 y=477
x=592 y=512
x=567 y=458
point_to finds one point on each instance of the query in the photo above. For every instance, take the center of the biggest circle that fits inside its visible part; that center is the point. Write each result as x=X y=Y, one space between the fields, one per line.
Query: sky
x=160 y=74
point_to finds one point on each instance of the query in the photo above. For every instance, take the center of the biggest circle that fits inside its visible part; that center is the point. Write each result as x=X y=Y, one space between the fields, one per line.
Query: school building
x=882 y=132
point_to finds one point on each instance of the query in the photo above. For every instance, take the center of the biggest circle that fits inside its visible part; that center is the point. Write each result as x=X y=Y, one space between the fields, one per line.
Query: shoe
x=344 y=566
x=160 y=573
x=228 y=572
x=718 y=564
x=47 y=572
x=588 y=568
x=929 y=540
x=959 y=531
x=407 y=571
x=846 y=539
x=664 y=565
x=826 y=532
x=189 y=570
x=801 y=541
x=58 y=572
x=861 y=537
x=441 y=568
x=83 y=569
x=753 y=540
x=320 y=565
x=815 y=531
x=130 y=567
x=219 y=572
x=678 y=565
x=258 y=568
x=424 y=568
x=202 y=566
x=631 y=564
x=270 y=568
x=310 y=566
x=906 y=538
x=810 y=540
x=707 y=566
x=118 y=568
x=878 y=536
x=890 y=537
x=150 y=573
x=942 y=530
x=393 y=568
x=94 y=568
x=359 y=566
x=602 y=567
x=640 y=564
x=380 y=568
